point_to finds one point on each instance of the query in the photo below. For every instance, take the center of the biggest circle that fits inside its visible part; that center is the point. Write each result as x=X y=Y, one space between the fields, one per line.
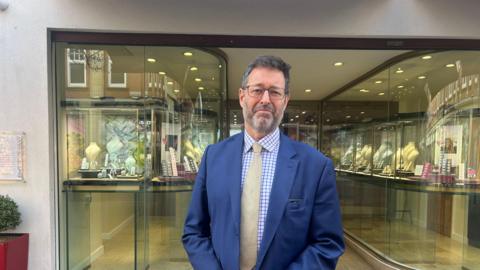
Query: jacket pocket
x=295 y=205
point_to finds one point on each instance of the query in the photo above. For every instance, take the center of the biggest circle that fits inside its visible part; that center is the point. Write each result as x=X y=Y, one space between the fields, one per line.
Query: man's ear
x=287 y=98
x=241 y=96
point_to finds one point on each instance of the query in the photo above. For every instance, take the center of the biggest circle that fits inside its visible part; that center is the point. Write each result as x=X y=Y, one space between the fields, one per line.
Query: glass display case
x=133 y=123
x=300 y=122
x=418 y=205
x=384 y=139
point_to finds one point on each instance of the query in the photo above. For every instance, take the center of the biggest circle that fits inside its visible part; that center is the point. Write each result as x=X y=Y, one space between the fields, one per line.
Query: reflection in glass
x=418 y=207
x=134 y=122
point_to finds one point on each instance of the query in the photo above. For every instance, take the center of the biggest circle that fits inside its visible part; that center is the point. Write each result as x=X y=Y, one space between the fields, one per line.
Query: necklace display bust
x=383 y=155
x=409 y=155
x=91 y=153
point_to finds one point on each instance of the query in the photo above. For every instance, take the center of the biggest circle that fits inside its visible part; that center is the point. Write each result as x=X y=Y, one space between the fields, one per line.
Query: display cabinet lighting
x=151 y=60
x=162 y=73
x=176 y=91
x=170 y=83
x=338 y=64
x=400 y=86
x=219 y=66
x=381 y=93
x=378 y=82
x=422 y=77
x=304 y=112
x=308 y=90
x=426 y=57
x=399 y=71
x=188 y=54
x=364 y=90
x=201 y=88
x=449 y=65
x=198 y=79
x=193 y=68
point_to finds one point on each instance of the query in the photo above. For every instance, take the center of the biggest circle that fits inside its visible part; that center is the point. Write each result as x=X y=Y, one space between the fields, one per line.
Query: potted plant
x=13 y=246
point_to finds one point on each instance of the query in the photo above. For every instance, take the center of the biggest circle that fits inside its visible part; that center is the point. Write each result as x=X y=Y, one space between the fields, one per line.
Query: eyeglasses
x=258 y=91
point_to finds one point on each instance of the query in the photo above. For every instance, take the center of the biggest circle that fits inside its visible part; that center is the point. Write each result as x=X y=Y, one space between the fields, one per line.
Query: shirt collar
x=268 y=142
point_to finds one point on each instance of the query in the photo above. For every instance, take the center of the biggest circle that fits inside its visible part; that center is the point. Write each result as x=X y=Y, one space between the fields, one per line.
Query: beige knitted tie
x=250 y=204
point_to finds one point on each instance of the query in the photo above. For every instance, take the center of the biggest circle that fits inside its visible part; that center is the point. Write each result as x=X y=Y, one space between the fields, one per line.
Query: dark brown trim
x=376 y=70
x=198 y=40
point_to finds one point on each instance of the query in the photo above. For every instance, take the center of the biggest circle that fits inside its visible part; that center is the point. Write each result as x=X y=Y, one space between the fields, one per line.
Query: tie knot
x=257 y=148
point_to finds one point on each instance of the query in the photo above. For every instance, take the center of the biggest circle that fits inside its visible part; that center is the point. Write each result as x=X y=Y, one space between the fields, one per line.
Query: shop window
x=76 y=68
x=116 y=79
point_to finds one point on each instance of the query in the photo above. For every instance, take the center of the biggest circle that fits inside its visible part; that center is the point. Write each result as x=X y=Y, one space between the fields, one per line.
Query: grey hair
x=268 y=61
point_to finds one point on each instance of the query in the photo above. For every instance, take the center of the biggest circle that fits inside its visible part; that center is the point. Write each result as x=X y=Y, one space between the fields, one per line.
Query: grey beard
x=260 y=124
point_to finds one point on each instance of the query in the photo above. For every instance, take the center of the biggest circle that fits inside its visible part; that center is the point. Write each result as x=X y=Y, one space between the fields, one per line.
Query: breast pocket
x=294 y=205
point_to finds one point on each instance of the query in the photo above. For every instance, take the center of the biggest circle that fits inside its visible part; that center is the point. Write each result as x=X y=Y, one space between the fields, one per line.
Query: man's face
x=262 y=115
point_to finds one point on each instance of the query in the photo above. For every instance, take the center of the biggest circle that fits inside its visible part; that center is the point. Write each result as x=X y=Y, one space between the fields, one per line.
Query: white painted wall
x=24 y=71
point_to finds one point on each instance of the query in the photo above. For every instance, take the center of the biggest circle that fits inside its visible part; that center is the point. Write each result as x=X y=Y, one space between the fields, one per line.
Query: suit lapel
x=283 y=180
x=234 y=169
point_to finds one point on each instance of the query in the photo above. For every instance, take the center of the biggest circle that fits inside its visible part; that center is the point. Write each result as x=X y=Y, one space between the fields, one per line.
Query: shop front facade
x=68 y=96
x=133 y=122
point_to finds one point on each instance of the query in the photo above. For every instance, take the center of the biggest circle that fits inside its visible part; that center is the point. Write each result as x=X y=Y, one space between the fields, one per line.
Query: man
x=261 y=200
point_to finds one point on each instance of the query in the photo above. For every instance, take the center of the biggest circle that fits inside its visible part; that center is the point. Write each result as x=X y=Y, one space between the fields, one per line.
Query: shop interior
x=400 y=126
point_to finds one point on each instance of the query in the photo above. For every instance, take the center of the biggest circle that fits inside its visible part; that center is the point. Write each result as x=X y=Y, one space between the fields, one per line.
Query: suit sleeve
x=326 y=232
x=196 y=233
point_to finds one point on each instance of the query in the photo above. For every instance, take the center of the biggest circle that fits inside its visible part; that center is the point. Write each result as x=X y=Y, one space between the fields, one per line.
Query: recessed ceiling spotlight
x=198 y=79
x=381 y=93
x=291 y=120
x=308 y=90
x=151 y=60
x=201 y=88
x=297 y=116
x=400 y=86
x=348 y=116
x=304 y=112
x=219 y=66
x=169 y=83
x=362 y=112
x=449 y=65
x=328 y=120
x=338 y=64
x=422 y=77
x=188 y=54
x=364 y=90
x=176 y=91
x=399 y=71
x=378 y=82
x=162 y=73
x=426 y=57
x=194 y=68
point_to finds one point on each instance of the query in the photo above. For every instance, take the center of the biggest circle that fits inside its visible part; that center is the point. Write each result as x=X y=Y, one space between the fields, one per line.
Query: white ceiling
x=311 y=69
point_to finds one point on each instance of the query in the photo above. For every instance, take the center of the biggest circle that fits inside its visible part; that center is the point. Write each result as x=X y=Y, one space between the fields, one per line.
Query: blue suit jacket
x=303 y=229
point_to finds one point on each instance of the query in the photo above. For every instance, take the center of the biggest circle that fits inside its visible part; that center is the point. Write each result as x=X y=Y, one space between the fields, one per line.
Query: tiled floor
x=413 y=245
x=406 y=243
x=166 y=251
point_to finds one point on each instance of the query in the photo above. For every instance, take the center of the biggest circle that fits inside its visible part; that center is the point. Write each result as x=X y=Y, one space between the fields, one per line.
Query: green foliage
x=9 y=215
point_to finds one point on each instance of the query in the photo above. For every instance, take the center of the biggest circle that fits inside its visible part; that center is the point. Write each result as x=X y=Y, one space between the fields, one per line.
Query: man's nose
x=265 y=97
